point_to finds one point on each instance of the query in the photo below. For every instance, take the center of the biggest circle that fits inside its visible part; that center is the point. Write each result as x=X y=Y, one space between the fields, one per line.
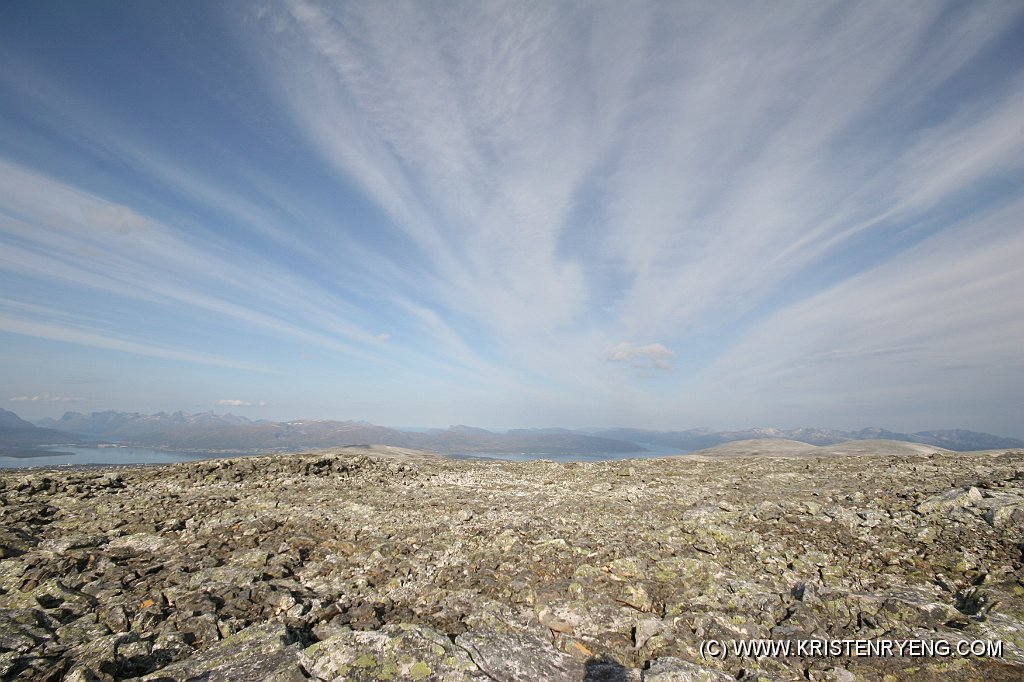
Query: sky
x=516 y=214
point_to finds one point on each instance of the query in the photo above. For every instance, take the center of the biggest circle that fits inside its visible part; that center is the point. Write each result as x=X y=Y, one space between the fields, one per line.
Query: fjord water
x=83 y=456
x=652 y=451
x=76 y=456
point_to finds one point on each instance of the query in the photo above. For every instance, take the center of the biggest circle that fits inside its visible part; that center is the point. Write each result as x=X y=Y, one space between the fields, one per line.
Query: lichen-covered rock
x=372 y=564
x=676 y=670
x=508 y=657
x=952 y=499
x=261 y=653
x=1002 y=508
x=395 y=652
x=21 y=630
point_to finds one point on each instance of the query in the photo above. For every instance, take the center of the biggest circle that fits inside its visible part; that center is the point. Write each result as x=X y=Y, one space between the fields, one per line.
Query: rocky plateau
x=380 y=563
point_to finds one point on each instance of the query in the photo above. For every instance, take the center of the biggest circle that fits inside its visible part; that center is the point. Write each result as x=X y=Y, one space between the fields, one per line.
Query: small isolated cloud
x=47 y=398
x=382 y=337
x=227 y=402
x=119 y=219
x=650 y=356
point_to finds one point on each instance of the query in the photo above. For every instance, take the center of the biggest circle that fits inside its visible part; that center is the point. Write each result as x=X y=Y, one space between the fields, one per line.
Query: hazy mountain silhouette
x=19 y=437
x=211 y=432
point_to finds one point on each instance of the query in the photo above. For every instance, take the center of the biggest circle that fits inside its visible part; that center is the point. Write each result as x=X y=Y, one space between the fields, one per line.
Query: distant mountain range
x=19 y=437
x=211 y=433
x=697 y=439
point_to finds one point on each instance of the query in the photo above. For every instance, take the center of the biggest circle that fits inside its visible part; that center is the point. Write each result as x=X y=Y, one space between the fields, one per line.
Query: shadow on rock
x=604 y=670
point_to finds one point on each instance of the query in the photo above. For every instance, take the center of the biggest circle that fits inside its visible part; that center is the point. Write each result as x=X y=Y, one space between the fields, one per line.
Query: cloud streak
x=47 y=398
x=899 y=330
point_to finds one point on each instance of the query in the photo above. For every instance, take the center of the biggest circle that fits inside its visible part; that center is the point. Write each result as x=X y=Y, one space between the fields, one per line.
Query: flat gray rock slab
x=678 y=670
x=509 y=657
x=395 y=652
x=261 y=653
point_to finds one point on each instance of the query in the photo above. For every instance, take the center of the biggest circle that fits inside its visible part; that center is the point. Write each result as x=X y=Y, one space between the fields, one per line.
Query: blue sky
x=651 y=214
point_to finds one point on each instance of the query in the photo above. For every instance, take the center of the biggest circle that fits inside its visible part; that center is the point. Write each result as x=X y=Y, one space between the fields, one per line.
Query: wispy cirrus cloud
x=721 y=178
x=482 y=200
x=84 y=336
x=87 y=380
x=62 y=234
x=934 y=328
